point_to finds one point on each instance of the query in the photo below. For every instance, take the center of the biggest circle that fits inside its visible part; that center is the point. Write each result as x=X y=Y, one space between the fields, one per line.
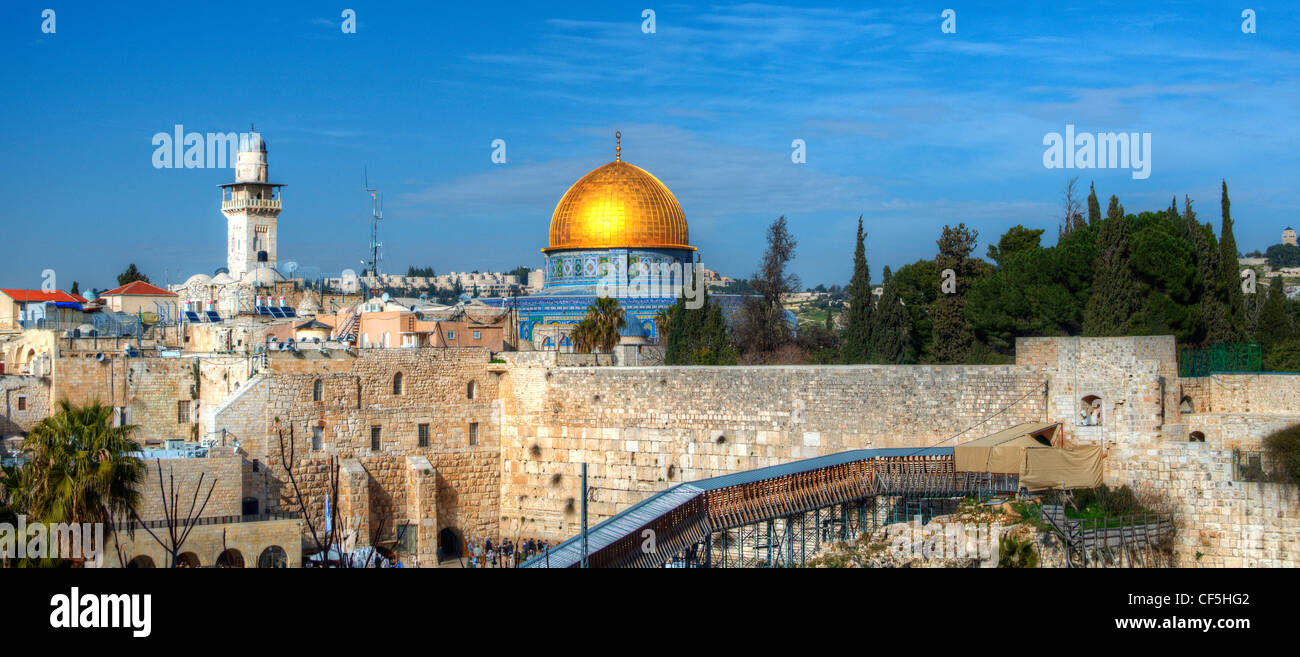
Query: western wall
x=504 y=435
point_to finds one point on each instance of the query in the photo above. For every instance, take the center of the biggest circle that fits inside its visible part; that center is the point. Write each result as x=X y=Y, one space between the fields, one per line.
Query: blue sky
x=908 y=126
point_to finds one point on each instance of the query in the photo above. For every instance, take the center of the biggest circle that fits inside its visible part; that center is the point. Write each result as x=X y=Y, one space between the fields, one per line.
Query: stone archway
x=273 y=557
x=449 y=543
x=142 y=561
x=188 y=560
x=231 y=558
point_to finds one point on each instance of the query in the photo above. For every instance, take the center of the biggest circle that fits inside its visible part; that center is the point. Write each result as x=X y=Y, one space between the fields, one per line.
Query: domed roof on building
x=265 y=276
x=222 y=278
x=198 y=279
x=618 y=205
x=255 y=142
x=309 y=305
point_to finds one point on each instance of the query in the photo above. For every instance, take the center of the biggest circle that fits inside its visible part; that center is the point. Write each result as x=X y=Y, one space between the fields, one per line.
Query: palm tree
x=79 y=468
x=663 y=320
x=599 y=329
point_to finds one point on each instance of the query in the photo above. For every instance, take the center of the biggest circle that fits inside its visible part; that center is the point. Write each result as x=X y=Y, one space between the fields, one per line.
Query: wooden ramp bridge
x=777 y=516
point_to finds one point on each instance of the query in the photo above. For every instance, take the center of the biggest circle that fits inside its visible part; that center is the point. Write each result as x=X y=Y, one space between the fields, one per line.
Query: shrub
x=1283 y=448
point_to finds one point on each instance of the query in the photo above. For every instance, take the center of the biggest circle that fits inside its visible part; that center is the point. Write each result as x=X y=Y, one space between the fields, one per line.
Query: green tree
x=1163 y=265
x=1036 y=292
x=918 y=288
x=1212 y=325
x=76 y=289
x=1015 y=240
x=696 y=336
x=762 y=327
x=1275 y=323
x=857 y=323
x=131 y=275
x=1114 y=296
x=1283 y=255
x=80 y=468
x=1094 y=208
x=891 y=330
x=1230 y=273
x=953 y=334
x=599 y=330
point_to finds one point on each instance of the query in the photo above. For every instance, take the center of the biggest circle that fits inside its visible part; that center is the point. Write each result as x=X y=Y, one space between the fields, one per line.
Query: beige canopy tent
x=1035 y=452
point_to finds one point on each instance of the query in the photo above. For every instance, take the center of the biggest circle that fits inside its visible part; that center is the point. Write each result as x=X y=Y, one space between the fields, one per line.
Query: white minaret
x=251 y=205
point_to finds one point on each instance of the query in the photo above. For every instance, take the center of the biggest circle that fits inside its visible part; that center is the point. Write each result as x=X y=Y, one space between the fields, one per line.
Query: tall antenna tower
x=376 y=214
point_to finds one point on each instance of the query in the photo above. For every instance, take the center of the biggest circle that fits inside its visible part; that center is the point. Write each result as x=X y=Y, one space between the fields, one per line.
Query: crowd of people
x=505 y=554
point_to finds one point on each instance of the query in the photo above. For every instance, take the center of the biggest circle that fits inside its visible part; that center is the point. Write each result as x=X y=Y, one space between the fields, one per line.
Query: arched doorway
x=1196 y=437
x=142 y=561
x=230 y=559
x=273 y=557
x=188 y=560
x=449 y=544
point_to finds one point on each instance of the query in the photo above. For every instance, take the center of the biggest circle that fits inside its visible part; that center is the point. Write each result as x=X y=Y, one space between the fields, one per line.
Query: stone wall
x=24 y=402
x=357 y=397
x=1221 y=522
x=643 y=429
x=150 y=389
x=222 y=473
x=206 y=543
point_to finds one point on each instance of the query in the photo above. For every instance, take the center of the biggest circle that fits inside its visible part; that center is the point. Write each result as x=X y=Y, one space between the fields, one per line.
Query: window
x=397 y=383
x=451 y=335
x=317 y=389
x=183 y=412
x=317 y=433
x=424 y=435
x=471 y=390
x=22 y=402
x=473 y=433
x=374 y=438
x=1090 y=411
x=478 y=335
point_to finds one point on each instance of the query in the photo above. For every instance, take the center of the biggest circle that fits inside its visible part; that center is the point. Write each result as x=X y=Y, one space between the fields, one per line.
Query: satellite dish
x=289 y=268
x=385 y=297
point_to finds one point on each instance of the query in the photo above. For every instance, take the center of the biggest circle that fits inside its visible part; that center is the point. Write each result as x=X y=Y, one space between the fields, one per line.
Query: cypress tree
x=1275 y=323
x=1230 y=273
x=857 y=325
x=891 y=332
x=1114 y=298
x=1094 y=208
x=953 y=334
x=1212 y=325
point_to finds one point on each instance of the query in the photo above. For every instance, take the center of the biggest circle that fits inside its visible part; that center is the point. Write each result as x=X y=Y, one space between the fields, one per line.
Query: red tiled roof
x=38 y=296
x=138 y=288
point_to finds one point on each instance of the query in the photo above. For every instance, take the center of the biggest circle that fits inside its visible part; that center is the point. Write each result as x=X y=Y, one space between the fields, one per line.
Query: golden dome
x=618 y=205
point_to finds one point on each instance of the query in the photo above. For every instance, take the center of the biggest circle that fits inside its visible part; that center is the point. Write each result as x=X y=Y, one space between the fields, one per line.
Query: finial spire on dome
x=618 y=146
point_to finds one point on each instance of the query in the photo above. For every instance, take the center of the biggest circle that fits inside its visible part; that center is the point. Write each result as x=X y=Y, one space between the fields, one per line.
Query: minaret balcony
x=251 y=204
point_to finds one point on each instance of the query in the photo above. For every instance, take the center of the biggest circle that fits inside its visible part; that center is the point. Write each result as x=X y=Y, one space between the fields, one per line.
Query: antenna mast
x=376 y=213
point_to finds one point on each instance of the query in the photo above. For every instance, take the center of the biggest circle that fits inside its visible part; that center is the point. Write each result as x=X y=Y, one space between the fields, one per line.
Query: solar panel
x=275 y=312
x=212 y=315
x=263 y=310
x=191 y=316
x=288 y=312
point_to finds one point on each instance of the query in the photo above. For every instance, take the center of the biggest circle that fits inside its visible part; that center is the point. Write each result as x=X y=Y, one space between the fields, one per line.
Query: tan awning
x=1033 y=451
x=1067 y=468
x=1002 y=451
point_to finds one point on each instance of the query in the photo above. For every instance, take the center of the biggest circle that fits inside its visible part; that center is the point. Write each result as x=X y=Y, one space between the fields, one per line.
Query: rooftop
x=138 y=288
x=38 y=295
